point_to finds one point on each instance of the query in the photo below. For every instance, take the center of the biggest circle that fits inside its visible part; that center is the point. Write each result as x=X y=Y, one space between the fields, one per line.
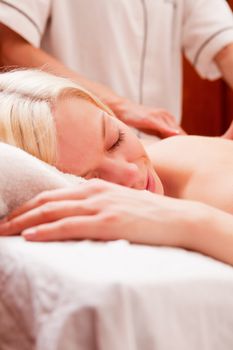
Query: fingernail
x=29 y=232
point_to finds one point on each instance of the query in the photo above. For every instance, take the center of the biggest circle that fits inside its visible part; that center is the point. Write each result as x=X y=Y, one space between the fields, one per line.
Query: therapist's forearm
x=224 y=61
x=17 y=52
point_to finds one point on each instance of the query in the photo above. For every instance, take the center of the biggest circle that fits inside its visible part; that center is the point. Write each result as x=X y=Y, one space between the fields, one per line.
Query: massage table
x=112 y=296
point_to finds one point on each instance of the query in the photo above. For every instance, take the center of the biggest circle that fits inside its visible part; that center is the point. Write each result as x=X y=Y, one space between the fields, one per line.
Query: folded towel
x=23 y=176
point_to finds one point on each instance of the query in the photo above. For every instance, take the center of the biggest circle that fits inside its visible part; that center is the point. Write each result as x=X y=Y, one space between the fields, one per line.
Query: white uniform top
x=133 y=46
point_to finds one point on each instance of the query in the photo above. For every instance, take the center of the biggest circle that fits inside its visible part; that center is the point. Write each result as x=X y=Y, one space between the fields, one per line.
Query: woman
x=36 y=106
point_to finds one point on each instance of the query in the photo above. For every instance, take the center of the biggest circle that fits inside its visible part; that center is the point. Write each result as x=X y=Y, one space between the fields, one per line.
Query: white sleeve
x=208 y=28
x=28 y=18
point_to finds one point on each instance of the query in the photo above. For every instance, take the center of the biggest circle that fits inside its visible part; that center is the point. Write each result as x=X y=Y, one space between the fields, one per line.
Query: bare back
x=197 y=168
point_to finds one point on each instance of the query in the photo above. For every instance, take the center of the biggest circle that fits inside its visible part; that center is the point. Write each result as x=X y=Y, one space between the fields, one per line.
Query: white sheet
x=113 y=296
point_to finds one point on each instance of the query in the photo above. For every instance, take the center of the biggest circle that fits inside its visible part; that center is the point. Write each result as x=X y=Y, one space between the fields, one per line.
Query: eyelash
x=120 y=139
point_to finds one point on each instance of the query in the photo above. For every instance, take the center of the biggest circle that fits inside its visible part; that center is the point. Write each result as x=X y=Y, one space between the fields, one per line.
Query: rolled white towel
x=23 y=176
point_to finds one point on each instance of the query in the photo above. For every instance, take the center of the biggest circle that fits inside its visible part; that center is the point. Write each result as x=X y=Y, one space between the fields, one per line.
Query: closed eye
x=120 y=139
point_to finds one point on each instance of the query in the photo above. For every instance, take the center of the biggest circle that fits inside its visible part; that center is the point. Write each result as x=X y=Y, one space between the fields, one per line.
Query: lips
x=150 y=183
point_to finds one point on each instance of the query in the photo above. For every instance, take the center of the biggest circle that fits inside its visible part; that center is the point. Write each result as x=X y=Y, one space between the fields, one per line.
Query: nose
x=121 y=172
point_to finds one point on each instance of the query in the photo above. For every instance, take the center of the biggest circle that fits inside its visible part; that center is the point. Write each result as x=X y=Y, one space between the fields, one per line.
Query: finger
x=158 y=126
x=229 y=133
x=82 y=191
x=169 y=120
x=182 y=131
x=82 y=227
x=160 y=129
x=164 y=115
x=45 y=197
x=46 y=213
x=176 y=127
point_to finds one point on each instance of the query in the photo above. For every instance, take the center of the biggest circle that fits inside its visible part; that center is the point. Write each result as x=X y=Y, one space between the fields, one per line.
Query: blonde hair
x=27 y=100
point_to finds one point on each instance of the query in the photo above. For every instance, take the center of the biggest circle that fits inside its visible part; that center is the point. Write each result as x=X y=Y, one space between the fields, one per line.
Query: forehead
x=79 y=125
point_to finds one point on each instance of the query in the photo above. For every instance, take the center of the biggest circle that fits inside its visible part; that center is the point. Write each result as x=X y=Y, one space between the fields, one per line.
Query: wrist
x=196 y=221
x=119 y=105
x=179 y=225
x=211 y=233
x=104 y=93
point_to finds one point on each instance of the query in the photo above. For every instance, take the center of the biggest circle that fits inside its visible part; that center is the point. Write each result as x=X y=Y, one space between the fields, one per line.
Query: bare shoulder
x=209 y=163
x=187 y=146
x=197 y=168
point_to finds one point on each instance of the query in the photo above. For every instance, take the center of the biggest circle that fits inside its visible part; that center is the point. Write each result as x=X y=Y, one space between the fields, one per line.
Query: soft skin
x=182 y=167
x=195 y=170
x=105 y=148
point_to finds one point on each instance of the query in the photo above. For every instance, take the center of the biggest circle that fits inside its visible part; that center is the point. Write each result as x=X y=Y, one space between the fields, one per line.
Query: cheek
x=134 y=147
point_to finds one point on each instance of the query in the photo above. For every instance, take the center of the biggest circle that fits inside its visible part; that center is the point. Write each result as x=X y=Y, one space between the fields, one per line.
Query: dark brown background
x=208 y=106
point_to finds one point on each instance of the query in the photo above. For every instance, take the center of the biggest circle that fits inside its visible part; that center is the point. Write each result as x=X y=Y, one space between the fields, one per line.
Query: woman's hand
x=103 y=211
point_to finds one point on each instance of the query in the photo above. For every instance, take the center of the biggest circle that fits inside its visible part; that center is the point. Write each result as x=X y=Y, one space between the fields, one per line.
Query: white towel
x=23 y=176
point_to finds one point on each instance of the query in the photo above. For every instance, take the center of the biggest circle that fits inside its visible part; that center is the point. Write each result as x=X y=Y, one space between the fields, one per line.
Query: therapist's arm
x=224 y=61
x=17 y=52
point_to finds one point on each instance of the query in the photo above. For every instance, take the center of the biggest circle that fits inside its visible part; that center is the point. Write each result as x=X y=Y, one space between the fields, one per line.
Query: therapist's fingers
x=164 y=120
x=159 y=127
x=168 y=119
x=154 y=121
x=82 y=227
x=157 y=122
x=82 y=191
x=169 y=127
x=49 y=212
x=229 y=133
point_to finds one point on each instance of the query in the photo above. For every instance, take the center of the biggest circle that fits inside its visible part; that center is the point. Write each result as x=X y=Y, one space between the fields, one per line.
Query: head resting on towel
x=62 y=124
x=27 y=101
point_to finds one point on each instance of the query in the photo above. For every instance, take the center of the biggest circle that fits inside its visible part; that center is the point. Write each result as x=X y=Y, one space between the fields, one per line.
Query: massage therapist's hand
x=229 y=133
x=150 y=120
x=153 y=121
x=103 y=211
